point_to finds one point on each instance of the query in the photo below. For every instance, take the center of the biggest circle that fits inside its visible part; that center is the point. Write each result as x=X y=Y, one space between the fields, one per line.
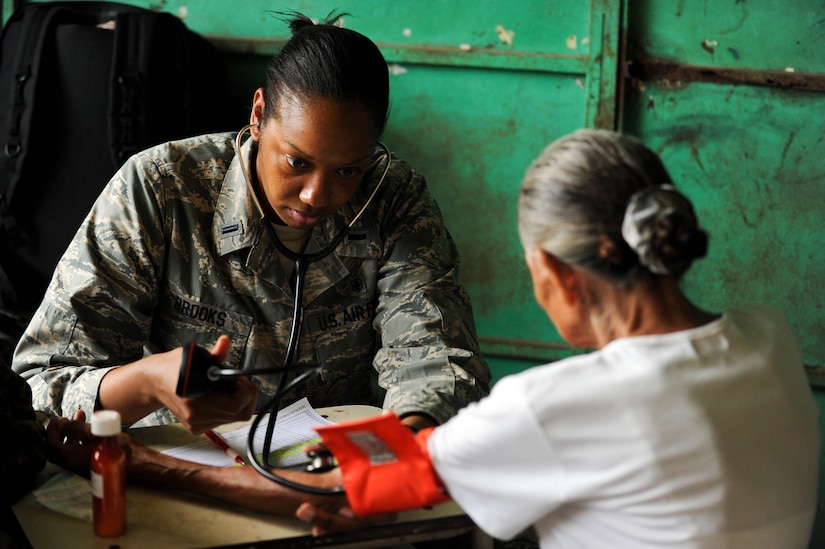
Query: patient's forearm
x=242 y=486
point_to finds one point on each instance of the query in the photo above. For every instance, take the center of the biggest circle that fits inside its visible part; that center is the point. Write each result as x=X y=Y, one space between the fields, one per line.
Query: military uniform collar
x=236 y=218
x=237 y=226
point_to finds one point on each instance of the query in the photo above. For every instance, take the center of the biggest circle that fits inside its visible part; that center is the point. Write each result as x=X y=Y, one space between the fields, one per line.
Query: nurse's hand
x=214 y=408
x=143 y=386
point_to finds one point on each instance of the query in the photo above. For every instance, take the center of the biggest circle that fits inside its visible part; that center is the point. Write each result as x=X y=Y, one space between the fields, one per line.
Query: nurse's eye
x=349 y=172
x=296 y=162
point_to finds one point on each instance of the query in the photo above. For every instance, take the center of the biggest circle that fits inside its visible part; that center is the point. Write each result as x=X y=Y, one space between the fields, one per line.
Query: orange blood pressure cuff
x=385 y=467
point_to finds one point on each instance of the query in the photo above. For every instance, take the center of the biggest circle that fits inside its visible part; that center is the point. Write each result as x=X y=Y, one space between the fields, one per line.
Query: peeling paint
x=672 y=84
x=709 y=45
x=505 y=35
x=571 y=42
x=396 y=69
x=580 y=83
x=785 y=149
x=662 y=71
x=465 y=47
x=183 y=11
x=585 y=41
x=407 y=32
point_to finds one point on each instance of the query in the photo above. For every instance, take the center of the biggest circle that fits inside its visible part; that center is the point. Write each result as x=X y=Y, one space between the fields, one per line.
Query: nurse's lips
x=305 y=219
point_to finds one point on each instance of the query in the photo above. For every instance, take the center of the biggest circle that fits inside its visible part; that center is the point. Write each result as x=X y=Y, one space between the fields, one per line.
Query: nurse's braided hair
x=326 y=60
x=605 y=202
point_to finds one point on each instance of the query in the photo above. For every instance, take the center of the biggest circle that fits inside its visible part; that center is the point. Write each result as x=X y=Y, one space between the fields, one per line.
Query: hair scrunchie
x=645 y=209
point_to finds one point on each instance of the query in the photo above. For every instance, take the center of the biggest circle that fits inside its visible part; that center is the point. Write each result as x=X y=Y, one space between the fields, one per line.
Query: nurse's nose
x=315 y=190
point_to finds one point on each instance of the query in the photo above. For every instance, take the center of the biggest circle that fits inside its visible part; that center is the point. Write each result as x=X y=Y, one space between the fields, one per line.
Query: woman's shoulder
x=760 y=322
x=400 y=176
x=167 y=171
x=398 y=188
x=173 y=163
x=192 y=150
x=755 y=311
x=561 y=375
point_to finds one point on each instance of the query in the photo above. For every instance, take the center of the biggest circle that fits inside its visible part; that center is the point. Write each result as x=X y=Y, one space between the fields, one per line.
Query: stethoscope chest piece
x=321 y=461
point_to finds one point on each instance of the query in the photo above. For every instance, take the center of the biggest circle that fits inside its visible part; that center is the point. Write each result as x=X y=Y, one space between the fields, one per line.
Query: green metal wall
x=731 y=95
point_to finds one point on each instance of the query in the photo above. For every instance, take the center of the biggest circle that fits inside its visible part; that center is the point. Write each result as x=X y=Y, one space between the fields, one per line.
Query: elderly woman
x=683 y=428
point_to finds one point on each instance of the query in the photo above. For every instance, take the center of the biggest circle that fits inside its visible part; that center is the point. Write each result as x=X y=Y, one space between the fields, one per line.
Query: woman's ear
x=558 y=288
x=551 y=278
x=256 y=117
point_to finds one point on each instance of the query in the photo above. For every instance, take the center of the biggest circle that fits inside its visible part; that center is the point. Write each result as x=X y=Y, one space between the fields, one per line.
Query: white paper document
x=293 y=430
x=68 y=494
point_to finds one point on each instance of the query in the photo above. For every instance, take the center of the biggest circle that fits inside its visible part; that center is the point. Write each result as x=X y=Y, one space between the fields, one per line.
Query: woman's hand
x=142 y=387
x=328 y=515
x=214 y=408
x=69 y=443
x=334 y=516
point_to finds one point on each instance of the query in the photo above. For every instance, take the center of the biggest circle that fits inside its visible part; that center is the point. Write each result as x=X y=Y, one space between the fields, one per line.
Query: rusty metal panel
x=466 y=132
x=732 y=98
x=771 y=35
x=750 y=158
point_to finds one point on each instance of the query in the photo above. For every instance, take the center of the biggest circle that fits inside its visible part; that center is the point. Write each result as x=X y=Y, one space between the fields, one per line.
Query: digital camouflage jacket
x=174 y=251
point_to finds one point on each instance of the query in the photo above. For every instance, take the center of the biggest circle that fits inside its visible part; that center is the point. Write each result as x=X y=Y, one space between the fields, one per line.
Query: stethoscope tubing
x=302 y=262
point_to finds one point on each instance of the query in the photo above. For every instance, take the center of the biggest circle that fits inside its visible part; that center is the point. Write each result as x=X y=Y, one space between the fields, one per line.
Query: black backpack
x=84 y=85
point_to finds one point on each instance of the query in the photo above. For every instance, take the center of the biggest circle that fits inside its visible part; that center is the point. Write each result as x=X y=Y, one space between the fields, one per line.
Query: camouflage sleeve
x=22 y=438
x=97 y=309
x=429 y=361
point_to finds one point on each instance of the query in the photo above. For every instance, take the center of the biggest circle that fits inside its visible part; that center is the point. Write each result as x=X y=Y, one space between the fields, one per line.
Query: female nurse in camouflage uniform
x=174 y=251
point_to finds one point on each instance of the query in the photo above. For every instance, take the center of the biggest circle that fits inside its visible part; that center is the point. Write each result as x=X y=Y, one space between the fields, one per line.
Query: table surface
x=166 y=519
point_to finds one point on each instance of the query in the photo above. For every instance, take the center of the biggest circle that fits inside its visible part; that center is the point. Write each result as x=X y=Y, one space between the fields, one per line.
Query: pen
x=218 y=441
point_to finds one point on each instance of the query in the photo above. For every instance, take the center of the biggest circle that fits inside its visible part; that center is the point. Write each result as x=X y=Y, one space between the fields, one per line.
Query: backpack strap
x=126 y=86
x=11 y=324
x=135 y=35
x=34 y=26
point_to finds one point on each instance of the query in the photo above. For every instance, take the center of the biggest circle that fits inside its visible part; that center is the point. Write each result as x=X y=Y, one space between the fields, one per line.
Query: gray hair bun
x=660 y=226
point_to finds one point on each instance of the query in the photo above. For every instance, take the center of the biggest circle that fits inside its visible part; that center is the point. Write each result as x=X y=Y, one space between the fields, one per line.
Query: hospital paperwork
x=293 y=430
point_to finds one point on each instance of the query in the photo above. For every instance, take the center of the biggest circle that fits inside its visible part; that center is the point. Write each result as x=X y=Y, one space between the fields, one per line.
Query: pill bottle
x=108 y=475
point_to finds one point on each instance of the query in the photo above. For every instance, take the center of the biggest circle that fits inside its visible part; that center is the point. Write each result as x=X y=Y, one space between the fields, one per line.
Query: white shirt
x=701 y=438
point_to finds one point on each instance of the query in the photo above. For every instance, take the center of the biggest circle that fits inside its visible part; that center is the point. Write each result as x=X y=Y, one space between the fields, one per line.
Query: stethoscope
x=222 y=378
